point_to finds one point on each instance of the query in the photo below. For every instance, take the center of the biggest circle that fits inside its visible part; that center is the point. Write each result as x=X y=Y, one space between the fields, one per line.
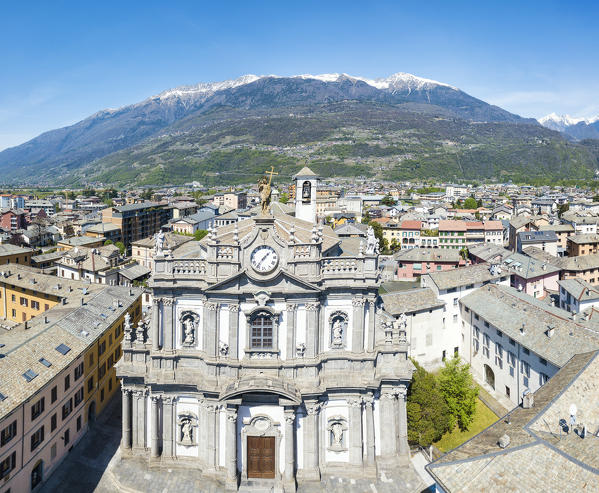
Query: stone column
x=139 y=419
x=371 y=324
x=210 y=328
x=211 y=424
x=370 y=448
x=387 y=422
x=156 y=324
x=291 y=310
x=312 y=329
x=126 y=442
x=357 y=343
x=233 y=331
x=168 y=332
x=355 y=431
x=403 y=447
x=231 y=449
x=168 y=432
x=155 y=420
x=311 y=434
x=289 y=445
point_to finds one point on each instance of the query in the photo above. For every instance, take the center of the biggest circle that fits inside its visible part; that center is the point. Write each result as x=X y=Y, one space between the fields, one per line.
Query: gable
x=283 y=282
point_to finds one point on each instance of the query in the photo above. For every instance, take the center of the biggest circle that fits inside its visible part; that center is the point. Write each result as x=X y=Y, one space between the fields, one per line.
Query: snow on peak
x=207 y=88
x=553 y=119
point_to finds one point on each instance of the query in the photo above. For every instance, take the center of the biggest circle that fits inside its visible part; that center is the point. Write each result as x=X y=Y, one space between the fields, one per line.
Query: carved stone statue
x=337 y=333
x=264 y=189
x=371 y=242
x=223 y=348
x=300 y=350
x=337 y=431
x=188 y=331
x=159 y=246
x=186 y=431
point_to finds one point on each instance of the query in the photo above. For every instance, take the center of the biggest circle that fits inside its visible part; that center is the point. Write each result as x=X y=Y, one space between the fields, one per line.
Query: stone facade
x=268 y=360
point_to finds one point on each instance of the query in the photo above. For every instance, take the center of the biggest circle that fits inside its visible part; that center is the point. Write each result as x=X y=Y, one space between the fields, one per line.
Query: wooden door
x=261 y=457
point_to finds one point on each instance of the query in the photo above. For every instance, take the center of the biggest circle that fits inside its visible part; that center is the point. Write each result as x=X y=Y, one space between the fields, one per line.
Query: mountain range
x=398 y=127
x=577 y=128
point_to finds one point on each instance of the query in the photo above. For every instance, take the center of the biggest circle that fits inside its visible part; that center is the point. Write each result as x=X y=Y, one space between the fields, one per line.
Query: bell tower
x=306 y=183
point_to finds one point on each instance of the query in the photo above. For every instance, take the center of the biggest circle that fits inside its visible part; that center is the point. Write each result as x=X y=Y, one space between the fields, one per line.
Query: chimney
x=550 y=331
x=528 y=399
x=26 y=325
x=46 y=319
x=523 y=329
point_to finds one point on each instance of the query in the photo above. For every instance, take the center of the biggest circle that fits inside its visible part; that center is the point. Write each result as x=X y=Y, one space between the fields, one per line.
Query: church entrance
x=261 y=457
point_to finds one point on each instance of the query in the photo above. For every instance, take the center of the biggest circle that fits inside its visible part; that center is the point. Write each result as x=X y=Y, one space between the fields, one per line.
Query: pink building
x=534 y=277
x=414 y=262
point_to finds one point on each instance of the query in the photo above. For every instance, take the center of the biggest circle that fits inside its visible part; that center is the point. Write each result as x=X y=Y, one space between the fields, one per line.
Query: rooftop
x=410 y=301
x=582 y=239
x=463 y=276
x=428 y=255
x=540 y=457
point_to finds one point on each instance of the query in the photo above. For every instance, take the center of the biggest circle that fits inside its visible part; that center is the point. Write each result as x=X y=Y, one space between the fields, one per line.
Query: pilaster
x=355 y=431
x=168 y=323
x=126 y=439
x=357 y=344
x=289 y=475
x=311 y=470
x=370 y=445
x=291 y=311
x=312 y=329
x=168 y=427
x=156 y=302
x=155 y=430
x=231 y=448
x=233 y=331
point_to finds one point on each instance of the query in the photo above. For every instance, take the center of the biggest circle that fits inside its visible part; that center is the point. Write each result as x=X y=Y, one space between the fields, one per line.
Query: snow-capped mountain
x=578 y=128
x=181 y=108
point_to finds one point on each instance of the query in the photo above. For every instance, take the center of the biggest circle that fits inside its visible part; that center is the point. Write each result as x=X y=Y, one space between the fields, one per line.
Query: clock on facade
x=264 y=259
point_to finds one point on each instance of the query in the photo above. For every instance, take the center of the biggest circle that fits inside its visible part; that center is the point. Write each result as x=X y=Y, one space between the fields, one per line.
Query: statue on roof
x=264 y=189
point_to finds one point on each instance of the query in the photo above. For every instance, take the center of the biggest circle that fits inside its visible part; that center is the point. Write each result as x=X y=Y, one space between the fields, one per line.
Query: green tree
x=199 y=234
x=428 y=414
x=470 y=203
x=121 y=246
x=108 y=242
x=283 y=197
x=479 y=203
x=562 y=208
x=459 y=391
x=388 y=201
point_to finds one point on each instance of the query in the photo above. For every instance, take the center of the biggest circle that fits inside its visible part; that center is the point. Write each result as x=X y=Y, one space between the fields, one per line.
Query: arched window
x=306 y=191
x=262 y=329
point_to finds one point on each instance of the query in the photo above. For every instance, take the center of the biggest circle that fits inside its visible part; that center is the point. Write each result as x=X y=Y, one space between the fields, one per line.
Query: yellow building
x=26 y=293
x=80 y=241
x=13 y=254
x=101 y=382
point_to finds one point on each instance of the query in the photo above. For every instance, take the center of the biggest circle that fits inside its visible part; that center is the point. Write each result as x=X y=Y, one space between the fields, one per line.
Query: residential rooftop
x=410 y=301
x=471 y=274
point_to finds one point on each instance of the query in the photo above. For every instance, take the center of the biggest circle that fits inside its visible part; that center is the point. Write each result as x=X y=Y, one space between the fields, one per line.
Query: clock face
x=264 y=259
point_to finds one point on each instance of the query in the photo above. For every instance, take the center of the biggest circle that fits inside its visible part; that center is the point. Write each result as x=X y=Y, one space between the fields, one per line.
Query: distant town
x=275 y=333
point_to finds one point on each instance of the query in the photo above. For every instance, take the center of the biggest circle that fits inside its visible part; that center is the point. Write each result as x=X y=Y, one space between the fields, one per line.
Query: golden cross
x=271 y=172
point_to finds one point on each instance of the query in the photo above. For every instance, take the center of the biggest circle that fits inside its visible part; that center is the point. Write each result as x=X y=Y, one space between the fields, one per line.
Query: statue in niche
x=306 y=191
x=337 y=432
x=186 y=431
x=337 y=333
x=188 y=330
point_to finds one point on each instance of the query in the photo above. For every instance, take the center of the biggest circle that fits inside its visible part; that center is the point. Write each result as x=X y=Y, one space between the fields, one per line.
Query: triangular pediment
x=282 y=282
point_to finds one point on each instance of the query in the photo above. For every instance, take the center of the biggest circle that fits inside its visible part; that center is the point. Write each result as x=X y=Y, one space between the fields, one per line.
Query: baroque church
x=268 y=358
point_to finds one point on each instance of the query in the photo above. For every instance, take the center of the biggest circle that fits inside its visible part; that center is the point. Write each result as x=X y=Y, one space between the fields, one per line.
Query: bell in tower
x=306 y=183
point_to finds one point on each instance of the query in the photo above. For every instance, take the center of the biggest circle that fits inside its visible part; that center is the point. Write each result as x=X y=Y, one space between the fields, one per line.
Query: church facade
x=268 y=358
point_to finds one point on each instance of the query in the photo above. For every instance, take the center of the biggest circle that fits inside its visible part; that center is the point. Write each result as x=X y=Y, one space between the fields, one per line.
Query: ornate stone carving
x=140 y=333
x=211 y=306
x=263 y=354
x=262 y=297
x=368 y=400
x=127 y=329
x=312 y=307
x=234 y=308
x=300 y=350
x=223 y=348
x=359 y=302
x=337 y=427
x=155 y=397
x=156 y=301
x=232 y=414
x=291 y=307
x=189 y=323
x=355 y=402
x=289 y=417
x=168 y=301
x=338 y=322
x=187 y=423
x=313 y=408
x=387 y=394
x=372 y=244
x=388 y=328
x=401 y=391
x=159 y=244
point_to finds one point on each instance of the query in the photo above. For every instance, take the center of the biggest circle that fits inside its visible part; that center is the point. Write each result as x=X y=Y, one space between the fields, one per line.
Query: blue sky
x=62 y=61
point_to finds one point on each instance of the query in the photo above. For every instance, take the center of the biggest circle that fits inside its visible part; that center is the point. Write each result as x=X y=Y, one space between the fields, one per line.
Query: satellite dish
x=573 y=409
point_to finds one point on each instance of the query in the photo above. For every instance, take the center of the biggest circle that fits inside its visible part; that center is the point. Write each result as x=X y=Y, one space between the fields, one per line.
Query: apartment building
x=577 y=295
x=106 y=231
x=57 y=376
x=142 y=251
x=534 y=277
x=96 y=265
x=79 y=242
x=459 y=234
x=13 y=219
x=13 y=254
x=563 y=232
x=137 y=221
x=415 y=262
x=582 y=244
x=235 y=200
x=514 y=355
x=452 y=285
x=545 y=240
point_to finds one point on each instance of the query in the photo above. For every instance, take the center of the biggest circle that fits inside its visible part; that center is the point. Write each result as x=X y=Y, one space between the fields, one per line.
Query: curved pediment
x=262 y=384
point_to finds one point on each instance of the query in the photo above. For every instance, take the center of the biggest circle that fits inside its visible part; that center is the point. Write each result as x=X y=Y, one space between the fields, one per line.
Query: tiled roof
x=8 y=249
x=569 y=337
x=410 y=301
x=471 y=274
x=579 y=289
x=582 y=239
x=539 y=457
x=428 y=255
x=527 y=267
